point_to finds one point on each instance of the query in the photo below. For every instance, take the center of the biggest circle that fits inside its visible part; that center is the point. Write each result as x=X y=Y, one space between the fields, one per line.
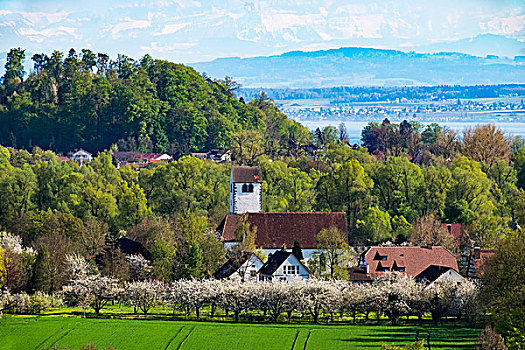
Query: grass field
x=31 y=332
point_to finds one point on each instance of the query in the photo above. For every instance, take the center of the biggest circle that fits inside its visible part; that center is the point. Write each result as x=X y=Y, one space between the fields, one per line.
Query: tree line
x=347 y=94
x=89 y=100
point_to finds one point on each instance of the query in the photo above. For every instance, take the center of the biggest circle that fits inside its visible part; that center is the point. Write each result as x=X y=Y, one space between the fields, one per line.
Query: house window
x=291 y=270
x=253 y=273
x=401 y=269
x=282 y=278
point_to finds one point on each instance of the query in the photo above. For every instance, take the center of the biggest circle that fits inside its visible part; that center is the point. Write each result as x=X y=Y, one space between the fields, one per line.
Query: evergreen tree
x=297 y=251
x=194 y=260
x=41 y=279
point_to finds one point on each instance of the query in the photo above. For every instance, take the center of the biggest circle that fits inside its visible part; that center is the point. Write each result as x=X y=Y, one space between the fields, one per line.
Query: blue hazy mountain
x=366 y=67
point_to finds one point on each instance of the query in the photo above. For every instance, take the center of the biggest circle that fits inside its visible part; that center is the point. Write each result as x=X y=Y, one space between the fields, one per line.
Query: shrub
x=488 y=339
x=414 y=346
x=512 y=328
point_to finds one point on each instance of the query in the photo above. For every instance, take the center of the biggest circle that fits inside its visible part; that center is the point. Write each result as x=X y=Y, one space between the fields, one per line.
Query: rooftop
x=246 y=174
x=277 y=229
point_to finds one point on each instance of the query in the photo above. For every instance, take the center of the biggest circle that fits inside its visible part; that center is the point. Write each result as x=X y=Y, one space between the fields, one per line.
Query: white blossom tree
x=236 y=296
x=466 y=302
x=77 y=266
x=396 y=292
x=143 y=295
x=93 y=291
x=14 y=243
x=139 y=267
x=439 y=298
x=319 y=296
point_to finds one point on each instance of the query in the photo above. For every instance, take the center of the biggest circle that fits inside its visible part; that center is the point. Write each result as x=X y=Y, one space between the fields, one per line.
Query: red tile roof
x=276 y=229
x=246 y=174
x=415 y=260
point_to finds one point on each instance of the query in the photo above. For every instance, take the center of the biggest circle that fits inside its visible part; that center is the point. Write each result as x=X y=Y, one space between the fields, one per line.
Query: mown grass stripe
x=295 y=339
x=51 y=336
x=61 y=337
x=186 y=337
x=307 y=337
x=172 y=339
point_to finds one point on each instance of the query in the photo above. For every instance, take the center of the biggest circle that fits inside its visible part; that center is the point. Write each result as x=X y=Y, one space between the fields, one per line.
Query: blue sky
x=197 y=30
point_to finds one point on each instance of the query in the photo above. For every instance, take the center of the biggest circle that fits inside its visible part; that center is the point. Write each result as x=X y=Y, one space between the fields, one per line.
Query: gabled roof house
x=283 y=266
x=422 y=263
x=243 y=268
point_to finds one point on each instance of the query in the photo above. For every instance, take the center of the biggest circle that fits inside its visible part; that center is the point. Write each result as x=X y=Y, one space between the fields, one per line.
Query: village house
x=82 y=157
x=423 y=263
x=139 y=159
x=217 y=155
x=476 y=260
x=273 y=230
x=244 y=268
x=283 y=266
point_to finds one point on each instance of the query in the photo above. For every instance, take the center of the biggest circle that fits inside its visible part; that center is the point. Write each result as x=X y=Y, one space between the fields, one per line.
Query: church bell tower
x=245 y=190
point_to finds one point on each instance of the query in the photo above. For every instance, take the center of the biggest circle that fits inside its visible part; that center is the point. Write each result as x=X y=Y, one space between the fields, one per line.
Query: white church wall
x=244 y=202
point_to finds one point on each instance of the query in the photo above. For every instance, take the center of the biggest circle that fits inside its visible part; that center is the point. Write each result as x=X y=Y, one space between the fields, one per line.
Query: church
x=274 y=230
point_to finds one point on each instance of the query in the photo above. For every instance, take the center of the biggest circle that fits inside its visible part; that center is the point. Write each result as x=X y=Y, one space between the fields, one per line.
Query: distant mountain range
x=356 y=66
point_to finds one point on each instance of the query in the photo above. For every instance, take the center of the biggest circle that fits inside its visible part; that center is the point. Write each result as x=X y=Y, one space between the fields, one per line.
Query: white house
x=450 y=274
x=283 y=266
x=245 y=190
x=82 y=156
x=245 y=267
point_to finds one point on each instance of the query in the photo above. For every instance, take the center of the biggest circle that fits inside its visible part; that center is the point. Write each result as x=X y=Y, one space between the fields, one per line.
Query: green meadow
x=58 y=332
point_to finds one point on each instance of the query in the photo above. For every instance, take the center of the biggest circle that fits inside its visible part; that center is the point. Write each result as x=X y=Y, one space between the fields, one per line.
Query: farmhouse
x=274 y=230
x=82 y=156
x=477 y=258
x=244 y=267
x=423 y=263
x=283 y=266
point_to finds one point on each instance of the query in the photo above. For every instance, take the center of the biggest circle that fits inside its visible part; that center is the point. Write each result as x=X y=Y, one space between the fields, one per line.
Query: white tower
x=245 y=190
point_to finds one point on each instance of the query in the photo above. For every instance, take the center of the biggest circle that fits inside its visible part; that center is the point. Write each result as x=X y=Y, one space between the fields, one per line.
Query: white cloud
x=172 y=28
x=161 y=47
x=37 y=35
x=127 y=25
x=505 y=25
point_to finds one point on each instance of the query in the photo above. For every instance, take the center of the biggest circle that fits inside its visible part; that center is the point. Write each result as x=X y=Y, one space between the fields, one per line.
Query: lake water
x=354 y=128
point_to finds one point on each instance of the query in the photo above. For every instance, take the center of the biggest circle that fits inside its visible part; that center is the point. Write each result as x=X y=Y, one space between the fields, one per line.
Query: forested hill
x=356 y=66
x=91 y=101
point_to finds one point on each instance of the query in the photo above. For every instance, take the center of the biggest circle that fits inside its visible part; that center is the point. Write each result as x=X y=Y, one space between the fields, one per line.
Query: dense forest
x=398 y=189
x=347 y=94
x=147 y=105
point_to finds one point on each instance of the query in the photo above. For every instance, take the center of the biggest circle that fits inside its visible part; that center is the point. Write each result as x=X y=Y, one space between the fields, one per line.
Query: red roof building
x=277 y=229
x=418 y=262
x=477 y=258
x=455 y=231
